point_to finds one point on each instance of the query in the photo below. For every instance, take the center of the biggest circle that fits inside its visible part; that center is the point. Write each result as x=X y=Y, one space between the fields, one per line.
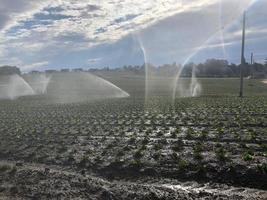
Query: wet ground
x=33 y=181
x=198 y=148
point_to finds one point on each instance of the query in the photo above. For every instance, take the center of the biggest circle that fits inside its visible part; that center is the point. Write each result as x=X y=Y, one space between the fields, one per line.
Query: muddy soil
x=199 y=149
x=35 y=181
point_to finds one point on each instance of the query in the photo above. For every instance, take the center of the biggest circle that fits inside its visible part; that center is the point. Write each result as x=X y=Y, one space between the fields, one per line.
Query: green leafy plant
x=221 y=154
x=5 y=167
x=182 y=164
x=178 y=146
x=262 y=168
x=248 y=156
x=138 y=154
x=197 y=151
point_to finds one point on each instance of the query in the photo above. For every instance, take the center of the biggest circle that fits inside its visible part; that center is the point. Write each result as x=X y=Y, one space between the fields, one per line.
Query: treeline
x=221 y=68
x=210 y=68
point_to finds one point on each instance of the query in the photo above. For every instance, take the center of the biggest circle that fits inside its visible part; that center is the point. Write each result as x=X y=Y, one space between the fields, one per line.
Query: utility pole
x=243 y=61
x=251 y=59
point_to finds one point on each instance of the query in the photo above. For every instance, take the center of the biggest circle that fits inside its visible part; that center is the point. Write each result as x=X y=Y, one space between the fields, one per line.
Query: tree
x=188 y=69
x=9 y=70
x=214 y=67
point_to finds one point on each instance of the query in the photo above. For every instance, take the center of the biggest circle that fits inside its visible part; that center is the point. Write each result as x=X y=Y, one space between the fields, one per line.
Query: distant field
x=137 y=147
x=211 y=86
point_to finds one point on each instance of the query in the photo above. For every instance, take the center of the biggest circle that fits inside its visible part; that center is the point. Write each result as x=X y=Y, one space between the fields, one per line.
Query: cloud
x=94 y=60
x=99 y=21
x=28 y=67
x=13 y=11
x=35 y=30
x=183 y=35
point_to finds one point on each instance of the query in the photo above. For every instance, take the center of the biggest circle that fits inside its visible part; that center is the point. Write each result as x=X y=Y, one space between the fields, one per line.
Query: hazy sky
x=40 y=34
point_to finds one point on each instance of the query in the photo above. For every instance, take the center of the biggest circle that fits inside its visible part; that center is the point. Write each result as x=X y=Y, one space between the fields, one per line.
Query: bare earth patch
x=264 y=81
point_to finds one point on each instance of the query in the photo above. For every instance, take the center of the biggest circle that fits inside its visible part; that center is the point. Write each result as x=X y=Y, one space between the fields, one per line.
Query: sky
x=54 y=34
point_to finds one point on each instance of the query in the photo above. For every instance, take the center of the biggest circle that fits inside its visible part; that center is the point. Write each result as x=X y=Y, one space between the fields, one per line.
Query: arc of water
x=222 y=28
x=122 y=92
x=145 y=65
x=201 y=47
x=17 y=87
x=136 y=36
